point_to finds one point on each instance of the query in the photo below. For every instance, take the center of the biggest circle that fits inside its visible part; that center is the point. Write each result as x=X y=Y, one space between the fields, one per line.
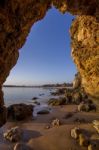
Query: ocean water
x=15 y=95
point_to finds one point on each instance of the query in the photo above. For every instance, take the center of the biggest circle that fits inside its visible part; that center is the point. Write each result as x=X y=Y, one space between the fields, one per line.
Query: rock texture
x=18 y=112
x=14 y=134
x=77 y=81
x=85 y=51
x=96 y=125
x=17 y=17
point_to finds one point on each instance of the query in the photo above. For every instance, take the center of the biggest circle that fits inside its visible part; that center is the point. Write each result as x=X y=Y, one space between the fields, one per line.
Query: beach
x=37 y=136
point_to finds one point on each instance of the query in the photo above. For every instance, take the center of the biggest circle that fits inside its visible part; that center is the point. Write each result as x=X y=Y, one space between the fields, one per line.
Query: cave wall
x=16 y=20
x=85 y=51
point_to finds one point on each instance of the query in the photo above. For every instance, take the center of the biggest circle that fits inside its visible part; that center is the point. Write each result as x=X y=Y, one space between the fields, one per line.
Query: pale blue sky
x=46 y=55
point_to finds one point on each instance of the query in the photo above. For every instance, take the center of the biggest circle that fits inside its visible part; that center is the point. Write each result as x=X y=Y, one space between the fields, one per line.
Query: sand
x=55 y=138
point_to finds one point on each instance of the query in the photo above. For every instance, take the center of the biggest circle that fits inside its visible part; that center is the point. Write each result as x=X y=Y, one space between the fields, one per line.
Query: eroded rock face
x=17 y=17
x=77 y=81
x=78 y=7
x=3 y=115
x=85 y=52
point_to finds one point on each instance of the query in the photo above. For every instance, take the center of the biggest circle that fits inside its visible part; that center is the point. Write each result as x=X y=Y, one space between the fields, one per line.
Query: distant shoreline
x=21 y=86
x=40 y=86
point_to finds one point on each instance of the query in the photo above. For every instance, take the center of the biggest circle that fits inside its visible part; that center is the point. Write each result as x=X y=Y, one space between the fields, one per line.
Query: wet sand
x=55 y=138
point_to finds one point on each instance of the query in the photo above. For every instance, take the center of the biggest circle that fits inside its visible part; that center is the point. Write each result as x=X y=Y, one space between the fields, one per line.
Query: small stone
x=83 y=107
x=90 y=147
x=14 y=134
x=96 y=125
x=47 y=127
x=56 y=123
x=83 y=140
x=96 y=122
x=86 y=106
x=57 y=102
x=94 y=146
x=34 y=98
x=75 y=132
x=43 y=112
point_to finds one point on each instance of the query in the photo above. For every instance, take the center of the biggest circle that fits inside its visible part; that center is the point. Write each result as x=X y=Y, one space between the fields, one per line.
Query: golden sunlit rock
x=17 y=18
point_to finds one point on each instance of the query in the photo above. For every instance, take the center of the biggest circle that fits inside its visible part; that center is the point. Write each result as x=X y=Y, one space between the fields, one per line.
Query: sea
x=16 y=95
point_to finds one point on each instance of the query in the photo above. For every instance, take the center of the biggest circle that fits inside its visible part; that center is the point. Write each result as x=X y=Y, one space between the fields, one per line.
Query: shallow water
x=15 y=95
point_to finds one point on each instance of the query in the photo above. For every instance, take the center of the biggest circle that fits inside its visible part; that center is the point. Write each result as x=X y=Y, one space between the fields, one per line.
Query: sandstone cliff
x=16 y=19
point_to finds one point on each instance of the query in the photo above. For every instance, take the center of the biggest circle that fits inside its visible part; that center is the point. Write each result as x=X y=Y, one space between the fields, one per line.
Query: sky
x=45 y=58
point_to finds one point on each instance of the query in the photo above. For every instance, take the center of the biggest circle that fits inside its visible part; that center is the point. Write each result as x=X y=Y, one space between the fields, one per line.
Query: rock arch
x=16 y=19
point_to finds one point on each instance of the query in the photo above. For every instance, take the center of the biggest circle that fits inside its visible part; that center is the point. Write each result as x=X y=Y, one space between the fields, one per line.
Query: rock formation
x=77 y=81
x=14 y=134
x=16 y=19
x=85 y=51
x=19 y=112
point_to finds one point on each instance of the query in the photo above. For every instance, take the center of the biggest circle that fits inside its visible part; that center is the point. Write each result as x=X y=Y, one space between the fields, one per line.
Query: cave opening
x=46 y=56
x=16 y=19
x=47 y=47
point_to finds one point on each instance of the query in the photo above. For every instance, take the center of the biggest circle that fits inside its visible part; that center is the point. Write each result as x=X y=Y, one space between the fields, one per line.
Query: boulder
x=96 y=122
x=83 y=140
x=77 y=98
x=83 y=107
x=75 y=132
x=69 y=95
x=14 y=134
x=3 y=115
x=34 y=98
x=20 y=111
x=57 y=102
x=96 y=125
x=59 y=91
x=83 y=93
x=43 y=112
x=86 y=107
x=92 y=107
x=94 y=146
x=94 y=139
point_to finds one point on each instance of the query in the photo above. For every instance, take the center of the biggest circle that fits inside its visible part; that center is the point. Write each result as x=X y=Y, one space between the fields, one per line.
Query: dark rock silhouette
x=20 y=112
